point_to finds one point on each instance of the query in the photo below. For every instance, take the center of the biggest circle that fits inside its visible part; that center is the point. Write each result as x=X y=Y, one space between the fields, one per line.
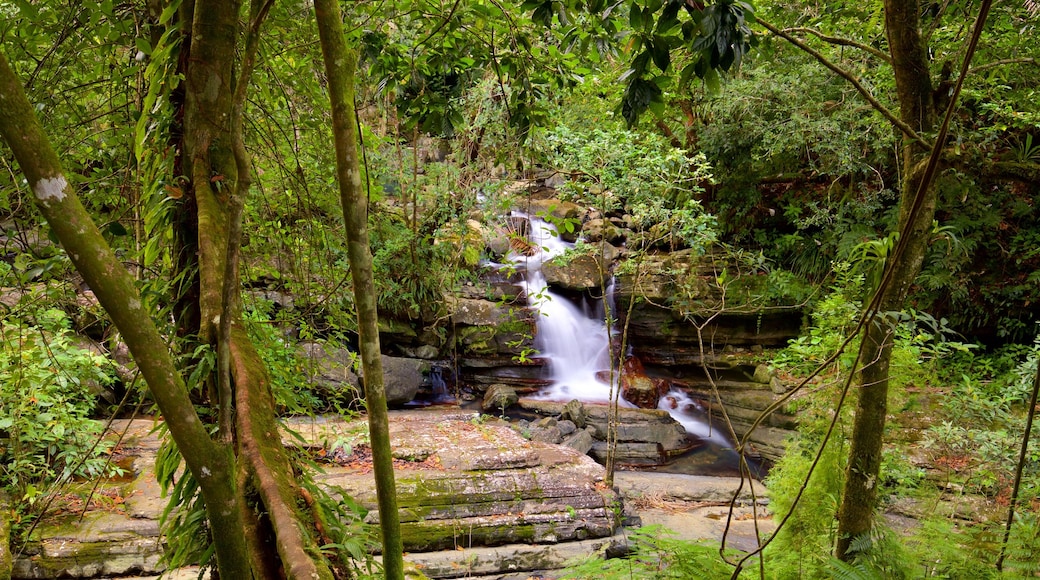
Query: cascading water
x=576 y=341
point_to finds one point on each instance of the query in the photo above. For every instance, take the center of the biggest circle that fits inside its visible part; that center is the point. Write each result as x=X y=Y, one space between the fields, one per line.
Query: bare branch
x=878 y=106
x=842 y=42
x=1003 y=62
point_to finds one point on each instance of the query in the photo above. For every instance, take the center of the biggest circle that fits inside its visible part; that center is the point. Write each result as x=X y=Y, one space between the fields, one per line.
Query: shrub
x=46 y=398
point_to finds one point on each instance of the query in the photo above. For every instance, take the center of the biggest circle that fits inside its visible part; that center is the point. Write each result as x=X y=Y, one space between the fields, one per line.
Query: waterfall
x=575 y=341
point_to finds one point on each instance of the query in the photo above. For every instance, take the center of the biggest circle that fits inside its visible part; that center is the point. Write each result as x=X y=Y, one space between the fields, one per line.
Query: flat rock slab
x=474 y=481
x=689 y=488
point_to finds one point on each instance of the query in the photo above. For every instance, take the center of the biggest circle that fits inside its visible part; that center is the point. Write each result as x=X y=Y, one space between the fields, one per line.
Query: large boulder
x=582 y=272
x=402 y=378
x=330 y=369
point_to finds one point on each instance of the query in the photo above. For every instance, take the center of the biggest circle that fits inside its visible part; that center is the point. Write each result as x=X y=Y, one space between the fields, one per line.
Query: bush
x=46 y=398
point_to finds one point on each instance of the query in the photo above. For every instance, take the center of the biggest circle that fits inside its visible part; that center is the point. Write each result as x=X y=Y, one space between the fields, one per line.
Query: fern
x=1023 y=546
x=653 y=553
x=857 y=571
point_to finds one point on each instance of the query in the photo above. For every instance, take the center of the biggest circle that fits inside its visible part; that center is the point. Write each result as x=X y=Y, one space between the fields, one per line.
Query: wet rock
x=498 y=398
x=639 y=389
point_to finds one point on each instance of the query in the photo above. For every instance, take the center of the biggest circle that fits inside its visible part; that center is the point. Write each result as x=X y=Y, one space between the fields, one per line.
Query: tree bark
x=246 y=481
x=916 y=109
x=340 y=65
x=217 y=164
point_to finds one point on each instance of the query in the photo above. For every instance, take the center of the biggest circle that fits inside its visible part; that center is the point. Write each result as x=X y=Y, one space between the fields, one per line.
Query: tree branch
x=1002 y=62
x=843 y=42
x=878 y=106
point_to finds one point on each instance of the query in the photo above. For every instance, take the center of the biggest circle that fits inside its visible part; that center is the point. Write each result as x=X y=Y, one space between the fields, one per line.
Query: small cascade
x=575 y=340
x=692 y=415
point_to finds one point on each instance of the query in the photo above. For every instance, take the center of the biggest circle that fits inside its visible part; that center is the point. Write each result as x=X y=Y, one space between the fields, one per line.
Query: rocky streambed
x=477 y=499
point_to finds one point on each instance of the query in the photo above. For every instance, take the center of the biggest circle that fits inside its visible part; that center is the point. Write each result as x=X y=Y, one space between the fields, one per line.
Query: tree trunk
x=916 y=108
x=218 y=167
x=245 y=478
x=212 y=464
x=339 y=68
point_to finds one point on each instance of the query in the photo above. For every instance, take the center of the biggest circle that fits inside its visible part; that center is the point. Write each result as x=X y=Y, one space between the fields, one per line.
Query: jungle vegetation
x=879 y=160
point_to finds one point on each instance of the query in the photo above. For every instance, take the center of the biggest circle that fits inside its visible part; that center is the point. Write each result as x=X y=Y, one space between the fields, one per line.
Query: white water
x=690 y=414
x=576 y=342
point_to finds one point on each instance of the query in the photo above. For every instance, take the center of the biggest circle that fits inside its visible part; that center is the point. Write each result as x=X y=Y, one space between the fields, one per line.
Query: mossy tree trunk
x=916 y=109
x=244 y=475
x=340 y=64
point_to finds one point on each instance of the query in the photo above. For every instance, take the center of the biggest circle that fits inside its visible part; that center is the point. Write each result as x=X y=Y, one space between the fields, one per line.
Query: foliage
x=977 y=435
x=292 y=394
x=47 y=394
x=350 y=540
x=655 y=554
x=801 y=547
x=833 y=320
x=183 y=520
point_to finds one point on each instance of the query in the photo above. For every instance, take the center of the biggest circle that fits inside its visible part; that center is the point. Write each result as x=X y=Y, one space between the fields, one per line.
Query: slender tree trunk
x=340 y=65
x=916 y=108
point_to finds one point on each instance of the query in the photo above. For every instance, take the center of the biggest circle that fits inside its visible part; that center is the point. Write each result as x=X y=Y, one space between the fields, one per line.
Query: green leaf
x=143 y=45
x=116 y=229
x=635 y=17
x=659 y=51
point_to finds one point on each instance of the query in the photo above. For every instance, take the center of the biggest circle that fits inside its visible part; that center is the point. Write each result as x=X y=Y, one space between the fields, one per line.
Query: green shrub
x=46 y=398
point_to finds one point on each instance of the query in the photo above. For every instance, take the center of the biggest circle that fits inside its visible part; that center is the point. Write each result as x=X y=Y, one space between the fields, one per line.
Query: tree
x=340 y=63
x=247 y=483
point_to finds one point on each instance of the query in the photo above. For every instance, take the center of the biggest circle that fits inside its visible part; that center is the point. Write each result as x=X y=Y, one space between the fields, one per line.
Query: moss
x=450 y=534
